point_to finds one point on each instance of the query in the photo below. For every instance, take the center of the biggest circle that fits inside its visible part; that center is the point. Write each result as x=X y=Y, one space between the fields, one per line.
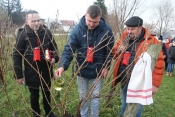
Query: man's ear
x=140 y=28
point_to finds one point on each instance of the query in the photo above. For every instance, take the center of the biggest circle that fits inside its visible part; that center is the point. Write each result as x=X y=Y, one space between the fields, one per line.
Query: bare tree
x=9 y=6
x=55 y=26
x=164 y=14
x=3 y=20
x=3 y=15
x=151 y=27
x=101 y=4
x=122 y=10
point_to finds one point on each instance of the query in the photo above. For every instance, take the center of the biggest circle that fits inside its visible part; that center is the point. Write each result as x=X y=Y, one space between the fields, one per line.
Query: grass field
x=14 y=97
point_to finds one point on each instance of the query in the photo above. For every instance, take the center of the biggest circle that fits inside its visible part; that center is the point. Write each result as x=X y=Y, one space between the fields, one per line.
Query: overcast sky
x=68 y=9
x=73 y=9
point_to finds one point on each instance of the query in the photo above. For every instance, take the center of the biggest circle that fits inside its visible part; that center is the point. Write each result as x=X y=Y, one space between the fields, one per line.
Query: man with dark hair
x=92 y=40
x=134 y=63
x=33 y=42
x=94 y=12
x=31 y=12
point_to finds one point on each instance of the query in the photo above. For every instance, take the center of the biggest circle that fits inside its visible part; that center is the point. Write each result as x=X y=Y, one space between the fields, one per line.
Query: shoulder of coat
x=19 y=30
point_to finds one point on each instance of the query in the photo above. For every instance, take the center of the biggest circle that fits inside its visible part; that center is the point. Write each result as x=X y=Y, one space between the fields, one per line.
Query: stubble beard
x=132 y=37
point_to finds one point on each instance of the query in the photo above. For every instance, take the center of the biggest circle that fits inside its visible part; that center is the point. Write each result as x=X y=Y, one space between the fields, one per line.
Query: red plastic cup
x=36 y=54
x=126 y=58
x=90 y=54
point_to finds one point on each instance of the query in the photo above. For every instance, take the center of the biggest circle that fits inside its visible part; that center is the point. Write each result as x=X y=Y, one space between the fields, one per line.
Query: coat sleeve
x=18 y=53
x=54 y=47
x=69 y=49
x=115 y=52
x=158 y=70
x=119 y=41
x=108 y=53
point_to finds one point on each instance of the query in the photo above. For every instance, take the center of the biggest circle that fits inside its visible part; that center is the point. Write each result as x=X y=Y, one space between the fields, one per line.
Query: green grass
x=14 y=97
x=164 y=105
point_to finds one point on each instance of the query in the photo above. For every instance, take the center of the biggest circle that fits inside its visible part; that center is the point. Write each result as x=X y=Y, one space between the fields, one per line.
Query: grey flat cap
x=134 y=21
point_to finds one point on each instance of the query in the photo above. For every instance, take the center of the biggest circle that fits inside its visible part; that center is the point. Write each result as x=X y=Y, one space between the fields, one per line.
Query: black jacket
x=171 y=53
x=34 y=71
x=164 y=49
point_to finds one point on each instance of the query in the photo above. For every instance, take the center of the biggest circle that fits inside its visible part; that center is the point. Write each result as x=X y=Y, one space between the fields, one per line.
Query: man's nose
x=36 y=23
x=129 y=31
x=92 y=24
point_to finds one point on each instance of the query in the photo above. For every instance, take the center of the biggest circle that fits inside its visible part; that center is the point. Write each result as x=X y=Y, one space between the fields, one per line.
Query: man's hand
x=59 y=72
x=122 y=48
x=154 y=89
x=20 y=81
x=104 y=73
x=52 y=61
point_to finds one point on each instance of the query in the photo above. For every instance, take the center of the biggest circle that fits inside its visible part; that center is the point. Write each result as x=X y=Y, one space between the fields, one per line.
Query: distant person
x=171 y=59
x=33 y=41
x=173 y=40
x=92 y=40
x=164 y=50
x=167 y=44
x=129 y=52
x=163 y=46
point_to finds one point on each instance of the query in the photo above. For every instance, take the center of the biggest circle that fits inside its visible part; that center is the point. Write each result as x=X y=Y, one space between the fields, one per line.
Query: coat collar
x=29 y=30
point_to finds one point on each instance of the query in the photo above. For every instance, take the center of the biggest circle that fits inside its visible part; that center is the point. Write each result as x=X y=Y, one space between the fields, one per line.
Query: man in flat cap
x=131 y=54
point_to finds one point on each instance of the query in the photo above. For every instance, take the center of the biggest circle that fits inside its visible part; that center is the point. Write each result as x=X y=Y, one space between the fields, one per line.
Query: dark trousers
x=34 y=99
